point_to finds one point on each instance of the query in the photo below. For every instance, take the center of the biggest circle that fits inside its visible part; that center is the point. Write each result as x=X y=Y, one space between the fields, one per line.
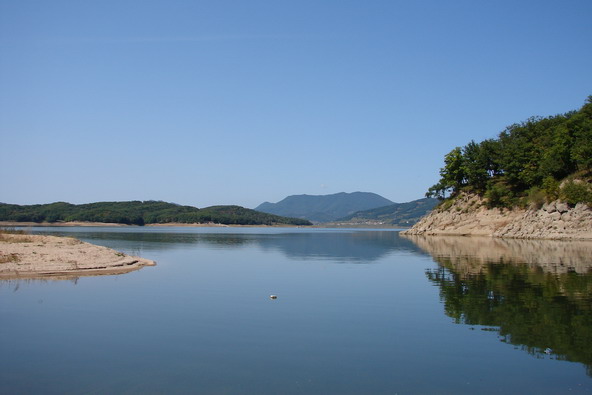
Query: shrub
x=551 y=188
x=574 y=192
x=535 y=198
x=499 y=195
x=446 y=204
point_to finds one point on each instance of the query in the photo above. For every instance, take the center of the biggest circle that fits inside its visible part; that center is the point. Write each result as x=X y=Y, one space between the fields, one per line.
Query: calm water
x=357 y=312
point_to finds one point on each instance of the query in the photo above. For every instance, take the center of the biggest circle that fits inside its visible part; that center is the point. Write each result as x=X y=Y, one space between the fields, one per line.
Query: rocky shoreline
x=36 y=256
x=468 y=216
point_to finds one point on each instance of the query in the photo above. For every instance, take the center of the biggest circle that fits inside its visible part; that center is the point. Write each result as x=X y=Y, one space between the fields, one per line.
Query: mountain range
x=324 y=208
x=356 y=207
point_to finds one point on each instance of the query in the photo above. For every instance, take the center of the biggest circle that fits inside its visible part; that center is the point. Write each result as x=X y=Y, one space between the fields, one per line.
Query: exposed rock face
x=555 y=220
x=469 y=216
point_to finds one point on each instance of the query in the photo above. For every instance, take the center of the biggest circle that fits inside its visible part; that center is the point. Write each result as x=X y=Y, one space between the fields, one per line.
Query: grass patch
x=7 y=258
x=13 y=231
x=446 y=204
x=11 y=235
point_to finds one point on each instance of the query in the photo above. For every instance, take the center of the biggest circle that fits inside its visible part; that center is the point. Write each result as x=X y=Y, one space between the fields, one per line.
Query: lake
x=357 y=311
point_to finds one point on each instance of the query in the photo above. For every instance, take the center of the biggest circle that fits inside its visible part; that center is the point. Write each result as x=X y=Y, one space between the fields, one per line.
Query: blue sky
x=241 y=102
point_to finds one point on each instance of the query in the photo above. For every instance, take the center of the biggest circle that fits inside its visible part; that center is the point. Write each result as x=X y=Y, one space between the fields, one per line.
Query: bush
x=551 y=188
x=574 y=192
x=446 y=204
x=536 y=198
x=499 y=195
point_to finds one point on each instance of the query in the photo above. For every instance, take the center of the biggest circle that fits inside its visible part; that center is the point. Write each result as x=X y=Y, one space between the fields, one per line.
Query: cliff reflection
x=470 y=253
x=538 y=293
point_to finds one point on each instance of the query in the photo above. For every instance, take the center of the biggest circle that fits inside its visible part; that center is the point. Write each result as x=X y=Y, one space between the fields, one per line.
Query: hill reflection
x=354 y=247
x=537 y=293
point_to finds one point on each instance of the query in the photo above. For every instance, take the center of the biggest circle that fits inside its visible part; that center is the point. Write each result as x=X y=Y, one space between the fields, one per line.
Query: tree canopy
x=525 y=158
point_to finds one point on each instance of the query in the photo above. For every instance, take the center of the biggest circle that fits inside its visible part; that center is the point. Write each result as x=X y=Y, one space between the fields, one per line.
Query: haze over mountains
x=356 y=207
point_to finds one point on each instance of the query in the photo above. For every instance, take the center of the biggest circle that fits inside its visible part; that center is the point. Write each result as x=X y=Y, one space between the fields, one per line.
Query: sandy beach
x=36 y=256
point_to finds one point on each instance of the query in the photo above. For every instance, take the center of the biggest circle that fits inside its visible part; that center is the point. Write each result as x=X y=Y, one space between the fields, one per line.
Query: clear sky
x=241 y=102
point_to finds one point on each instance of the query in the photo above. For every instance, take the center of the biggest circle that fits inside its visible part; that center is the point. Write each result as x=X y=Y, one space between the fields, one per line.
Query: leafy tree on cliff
x=452 y=174
x=525 y=157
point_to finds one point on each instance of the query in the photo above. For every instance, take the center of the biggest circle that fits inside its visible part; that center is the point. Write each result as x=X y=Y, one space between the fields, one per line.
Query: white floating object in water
x=548 y=351
x=272 y=296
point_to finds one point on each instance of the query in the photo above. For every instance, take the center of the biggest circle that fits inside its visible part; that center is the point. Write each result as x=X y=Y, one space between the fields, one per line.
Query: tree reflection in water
x=543 y=308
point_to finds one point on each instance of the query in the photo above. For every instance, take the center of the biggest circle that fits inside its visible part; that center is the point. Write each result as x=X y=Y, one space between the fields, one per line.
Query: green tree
x=452 y=175
x=581 y=125
x=525 y=159
x=475 y=162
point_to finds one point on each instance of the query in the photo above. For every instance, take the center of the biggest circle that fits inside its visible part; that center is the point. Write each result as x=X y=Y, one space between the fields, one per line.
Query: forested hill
x=141 y=213
x=396 y=214
x=530 y=162
x=324 y=208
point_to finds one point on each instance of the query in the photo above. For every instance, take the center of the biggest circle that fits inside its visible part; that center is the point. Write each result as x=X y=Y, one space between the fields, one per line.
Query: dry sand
x=35 y=256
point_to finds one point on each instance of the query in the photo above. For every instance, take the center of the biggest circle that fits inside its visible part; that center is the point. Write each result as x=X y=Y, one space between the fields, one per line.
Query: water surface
x=358 y=311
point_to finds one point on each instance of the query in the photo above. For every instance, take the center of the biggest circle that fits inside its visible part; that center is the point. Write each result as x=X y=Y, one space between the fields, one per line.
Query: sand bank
x=35 y=256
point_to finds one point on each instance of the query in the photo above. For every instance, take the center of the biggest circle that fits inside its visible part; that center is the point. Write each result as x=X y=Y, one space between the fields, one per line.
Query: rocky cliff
x=469 y=216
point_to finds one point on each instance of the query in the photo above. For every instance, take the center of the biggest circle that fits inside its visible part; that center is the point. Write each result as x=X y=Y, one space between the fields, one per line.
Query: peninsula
x=35 y=256
x=533 y=181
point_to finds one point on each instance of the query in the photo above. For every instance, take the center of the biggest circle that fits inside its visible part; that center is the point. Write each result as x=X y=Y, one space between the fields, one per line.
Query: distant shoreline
x=342 y=225
x=195 y=225
x=111 y=224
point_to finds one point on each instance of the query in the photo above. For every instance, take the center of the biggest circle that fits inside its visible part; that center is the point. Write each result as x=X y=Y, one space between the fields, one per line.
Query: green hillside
x=397 y=214
x=537 y=160
x=141 y=213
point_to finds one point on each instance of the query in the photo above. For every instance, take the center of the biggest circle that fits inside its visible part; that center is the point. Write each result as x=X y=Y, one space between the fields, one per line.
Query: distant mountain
x=397 y=214
x=324 y=208
x=140 y=213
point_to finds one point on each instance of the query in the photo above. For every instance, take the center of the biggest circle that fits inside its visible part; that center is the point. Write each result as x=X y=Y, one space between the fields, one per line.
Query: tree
x=581 y=125
x=525 y=157
x=452 y=175
x=475 y=163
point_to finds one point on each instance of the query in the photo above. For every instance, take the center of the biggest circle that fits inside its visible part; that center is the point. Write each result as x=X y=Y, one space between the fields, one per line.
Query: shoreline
x=25 y=256
x=469 y=216
x=112 y=224
x=193 y=225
